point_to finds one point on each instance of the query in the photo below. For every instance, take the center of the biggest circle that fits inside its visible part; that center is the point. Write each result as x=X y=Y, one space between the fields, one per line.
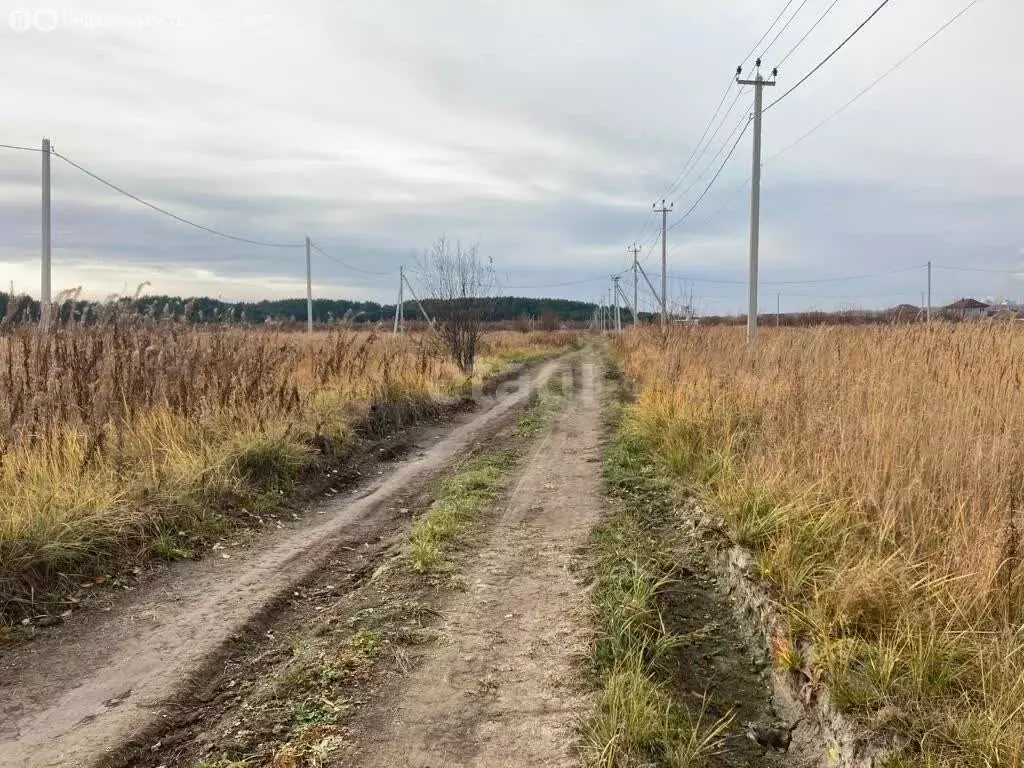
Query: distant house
x=967 y=309
x=905 y=311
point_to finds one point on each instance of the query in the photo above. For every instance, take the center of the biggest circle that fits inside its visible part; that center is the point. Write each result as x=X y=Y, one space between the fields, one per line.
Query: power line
x=336 y=260
x=643 y=230
x=174 y=216
x=569 y=282
x=707 y=146
x=694 y=157
x=791 y=294
x=807 y=34
x=23 y=149
x=783 y=28
x=767 y=32
x=718 y=173
x=727 y=201
x=980 y=269
x=717 y=155
x=895 y=294
x=877 y=80
x=846 y=278
x=816 y=281
x=700 y=141
x=863 y=92
x=824 y=61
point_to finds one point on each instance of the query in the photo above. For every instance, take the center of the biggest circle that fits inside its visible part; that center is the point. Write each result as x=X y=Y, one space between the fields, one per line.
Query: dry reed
x=878 y=474
x=131 y=436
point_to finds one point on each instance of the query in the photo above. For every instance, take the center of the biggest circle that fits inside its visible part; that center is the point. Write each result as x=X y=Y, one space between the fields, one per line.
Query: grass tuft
x=474 y=484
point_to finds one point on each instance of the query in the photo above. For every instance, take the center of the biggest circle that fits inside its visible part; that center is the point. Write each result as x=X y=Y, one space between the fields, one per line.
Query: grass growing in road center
x=475 y=484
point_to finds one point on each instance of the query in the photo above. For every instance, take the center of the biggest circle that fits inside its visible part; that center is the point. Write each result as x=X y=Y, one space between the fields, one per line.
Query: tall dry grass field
x=137 y=436
x=878 y=475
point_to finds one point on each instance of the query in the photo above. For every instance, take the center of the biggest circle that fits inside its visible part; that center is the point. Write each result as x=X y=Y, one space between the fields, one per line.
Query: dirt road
x=221 y=662
x=501 y=688
x=69 y=701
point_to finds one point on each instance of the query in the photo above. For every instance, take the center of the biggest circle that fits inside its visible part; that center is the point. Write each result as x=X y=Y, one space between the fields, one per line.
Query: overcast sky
x=543 y=130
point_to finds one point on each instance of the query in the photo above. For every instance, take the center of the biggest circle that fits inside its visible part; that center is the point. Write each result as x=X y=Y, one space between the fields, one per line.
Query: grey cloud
x=544 y=131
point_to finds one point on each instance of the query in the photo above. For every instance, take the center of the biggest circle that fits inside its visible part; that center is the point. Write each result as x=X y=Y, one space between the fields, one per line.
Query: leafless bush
x=463 y=284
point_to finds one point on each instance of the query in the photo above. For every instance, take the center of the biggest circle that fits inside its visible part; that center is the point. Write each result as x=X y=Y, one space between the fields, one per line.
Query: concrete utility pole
x=635 y=250
x=664 y=211
x=928 y=309
x=309 y=286
x=401 y=297
x=618 y=315
x=759 y=84
x=778 y=307
x=625 y=300
x=45 y=299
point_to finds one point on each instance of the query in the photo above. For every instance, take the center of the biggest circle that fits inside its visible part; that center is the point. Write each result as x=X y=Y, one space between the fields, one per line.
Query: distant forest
x=547 y=312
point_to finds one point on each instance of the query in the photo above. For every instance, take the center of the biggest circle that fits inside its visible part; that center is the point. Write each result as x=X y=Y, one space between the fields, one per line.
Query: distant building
x=968 y=309
x=1006 y=309
x=904 y=312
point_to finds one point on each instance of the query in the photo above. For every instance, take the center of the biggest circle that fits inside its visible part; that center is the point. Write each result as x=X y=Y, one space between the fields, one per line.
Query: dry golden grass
x=135 y=436
x=878 y=474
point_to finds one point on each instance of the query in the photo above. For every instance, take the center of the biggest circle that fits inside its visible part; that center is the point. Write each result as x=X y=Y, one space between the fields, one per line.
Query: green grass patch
x=167 y=547
x=475 y=484
x=543 y=406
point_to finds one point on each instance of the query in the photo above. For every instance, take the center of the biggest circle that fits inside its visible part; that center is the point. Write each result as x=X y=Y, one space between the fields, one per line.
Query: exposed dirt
x=502 y=688
x=75 y=695
x=723 y=668
x=476 y=662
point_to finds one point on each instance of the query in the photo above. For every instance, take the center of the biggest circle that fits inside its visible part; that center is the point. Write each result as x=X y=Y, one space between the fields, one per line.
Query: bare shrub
x=463 y=285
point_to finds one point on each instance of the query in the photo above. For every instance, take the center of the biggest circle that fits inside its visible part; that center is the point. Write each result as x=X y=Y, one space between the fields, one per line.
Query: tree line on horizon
x=21 y=308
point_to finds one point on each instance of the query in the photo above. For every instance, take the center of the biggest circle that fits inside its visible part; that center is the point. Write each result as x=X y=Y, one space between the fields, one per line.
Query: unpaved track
x=501 y=690
x=105 y=685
